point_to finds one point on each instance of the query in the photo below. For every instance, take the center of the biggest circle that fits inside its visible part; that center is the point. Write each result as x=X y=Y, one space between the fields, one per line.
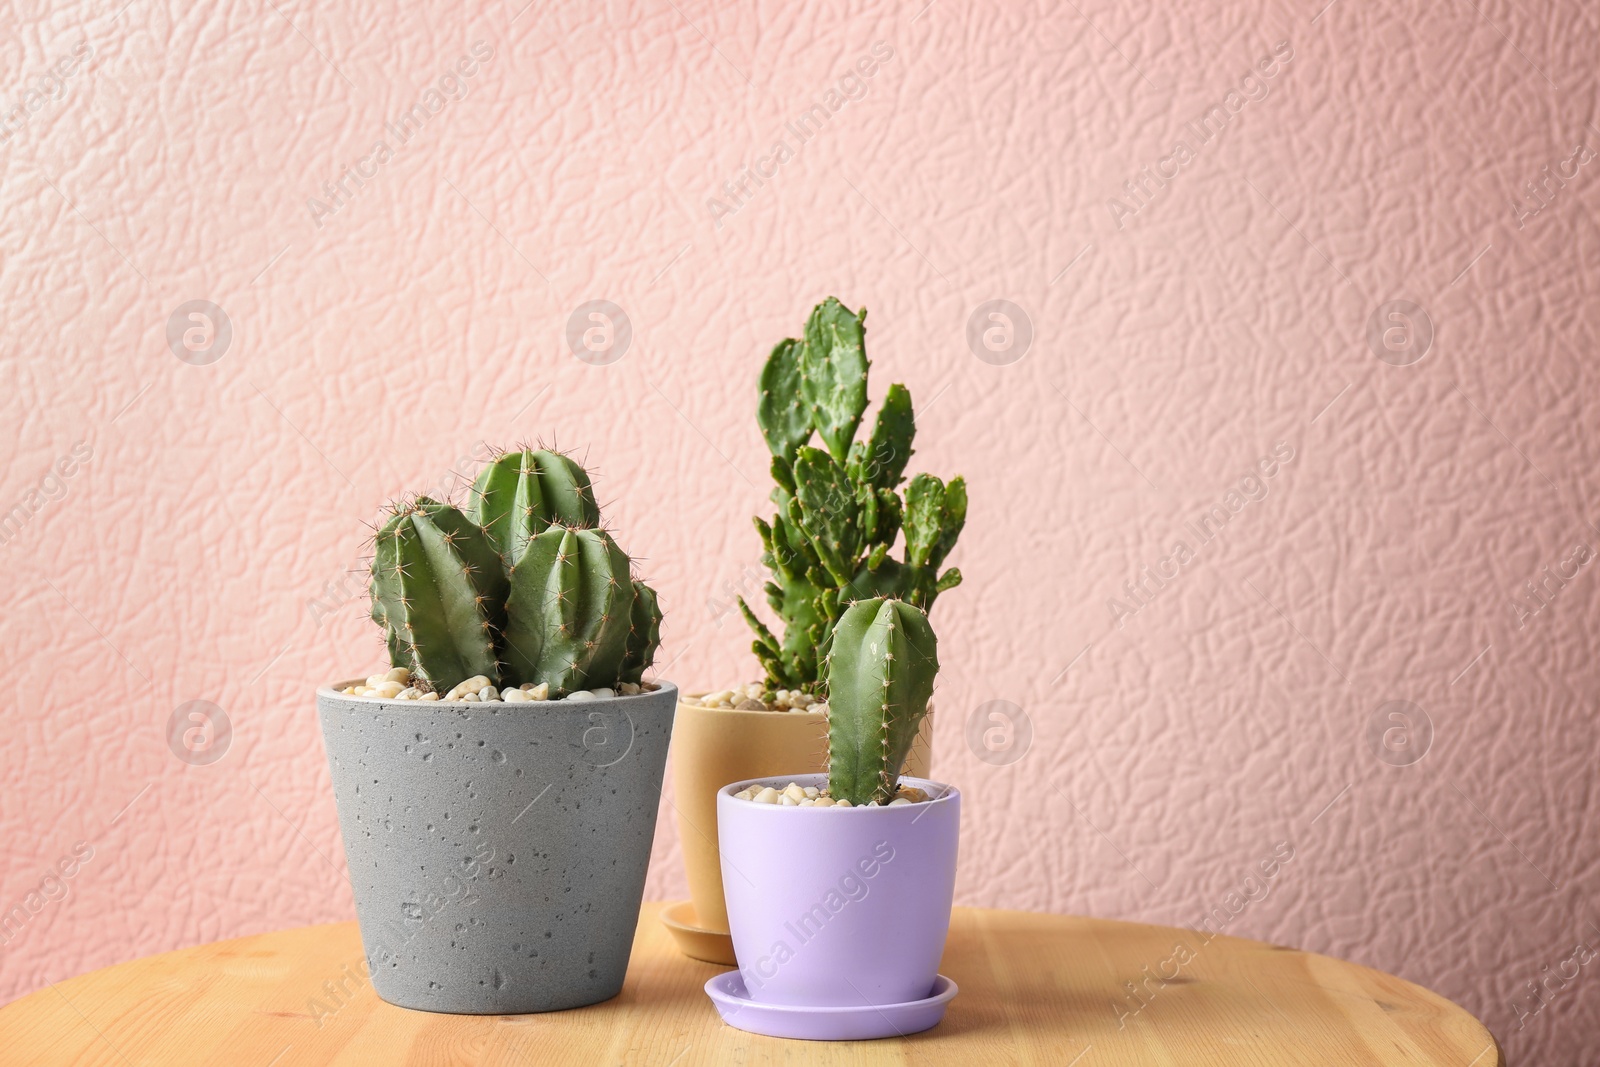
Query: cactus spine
x=880 y=672
x=522 y=586
x=839 y=508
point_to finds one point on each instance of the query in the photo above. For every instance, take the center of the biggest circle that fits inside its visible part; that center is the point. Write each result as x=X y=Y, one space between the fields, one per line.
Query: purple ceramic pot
x=838 y=907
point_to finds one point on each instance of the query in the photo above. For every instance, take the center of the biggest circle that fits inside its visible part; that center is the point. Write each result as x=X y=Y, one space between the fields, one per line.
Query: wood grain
x=1035 y=989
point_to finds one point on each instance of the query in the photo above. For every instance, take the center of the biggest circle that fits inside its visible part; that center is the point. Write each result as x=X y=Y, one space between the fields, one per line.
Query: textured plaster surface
x=203 y=550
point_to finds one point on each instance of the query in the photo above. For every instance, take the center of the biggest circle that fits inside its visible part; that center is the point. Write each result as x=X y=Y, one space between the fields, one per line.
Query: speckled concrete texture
x=497 y=852
x=191 y=528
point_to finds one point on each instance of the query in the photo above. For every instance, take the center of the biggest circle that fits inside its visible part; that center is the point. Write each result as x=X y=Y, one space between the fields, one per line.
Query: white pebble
x=470 y=698
x=409 y=693
x=843 y=804
x=429 y=696
x=808 y=802
x=788 y=801
x=375 y=680
x=349 y=690
x=603 y=693
x=628 y=689
x=398 y=674
x=812 y=791
x=897 y=801
x=794 y=792
x=538 y=692
x=580 y=694
x=822 y=802
x=745 y=794
x=488 y=693
x=516 y=696
x=468 y=685
x=768 y=795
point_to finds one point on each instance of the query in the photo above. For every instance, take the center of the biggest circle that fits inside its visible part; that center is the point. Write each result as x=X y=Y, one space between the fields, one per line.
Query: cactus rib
x=881 y=669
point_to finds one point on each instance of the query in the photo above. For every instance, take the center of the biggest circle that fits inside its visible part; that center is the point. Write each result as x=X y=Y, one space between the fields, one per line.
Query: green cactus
x=570 y=610
x=522 y=493
x=833 y=373
x=439 y=591
x=644 y=633
x=783 y=413
x=521 y=587
x=826 y=508
x=839 y=509
x=880 y=671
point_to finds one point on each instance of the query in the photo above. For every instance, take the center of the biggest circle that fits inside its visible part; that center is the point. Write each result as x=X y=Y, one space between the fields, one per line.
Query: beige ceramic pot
x=712 y=747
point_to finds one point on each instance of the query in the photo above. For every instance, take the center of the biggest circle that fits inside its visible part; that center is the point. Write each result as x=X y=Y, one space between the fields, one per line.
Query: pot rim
x=741 y=711
x=946 y=794
x=334 y=692
x=746 y=711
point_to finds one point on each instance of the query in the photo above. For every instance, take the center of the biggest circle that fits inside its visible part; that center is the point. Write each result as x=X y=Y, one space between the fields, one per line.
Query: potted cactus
x=839 y=885
x=497 y=787
x=840 y=511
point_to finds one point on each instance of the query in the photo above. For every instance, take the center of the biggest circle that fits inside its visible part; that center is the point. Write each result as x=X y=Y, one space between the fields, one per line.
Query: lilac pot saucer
x=861 y=1023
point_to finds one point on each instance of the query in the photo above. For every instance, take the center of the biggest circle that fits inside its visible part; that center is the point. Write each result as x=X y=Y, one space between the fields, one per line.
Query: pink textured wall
x=1181 y=334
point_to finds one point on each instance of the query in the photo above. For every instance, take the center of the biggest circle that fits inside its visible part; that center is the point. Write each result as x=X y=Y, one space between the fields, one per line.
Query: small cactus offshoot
x=521 y=586
x=839 y=508
x=880 y=672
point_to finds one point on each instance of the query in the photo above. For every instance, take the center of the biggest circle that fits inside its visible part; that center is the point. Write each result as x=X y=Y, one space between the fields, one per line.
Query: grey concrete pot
x=497 y=851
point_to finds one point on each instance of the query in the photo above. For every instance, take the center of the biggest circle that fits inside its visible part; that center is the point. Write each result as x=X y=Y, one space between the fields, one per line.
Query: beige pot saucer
x=694 y=940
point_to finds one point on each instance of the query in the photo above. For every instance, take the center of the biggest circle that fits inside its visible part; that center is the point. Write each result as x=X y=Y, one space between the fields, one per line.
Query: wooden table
x=1035 y=989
